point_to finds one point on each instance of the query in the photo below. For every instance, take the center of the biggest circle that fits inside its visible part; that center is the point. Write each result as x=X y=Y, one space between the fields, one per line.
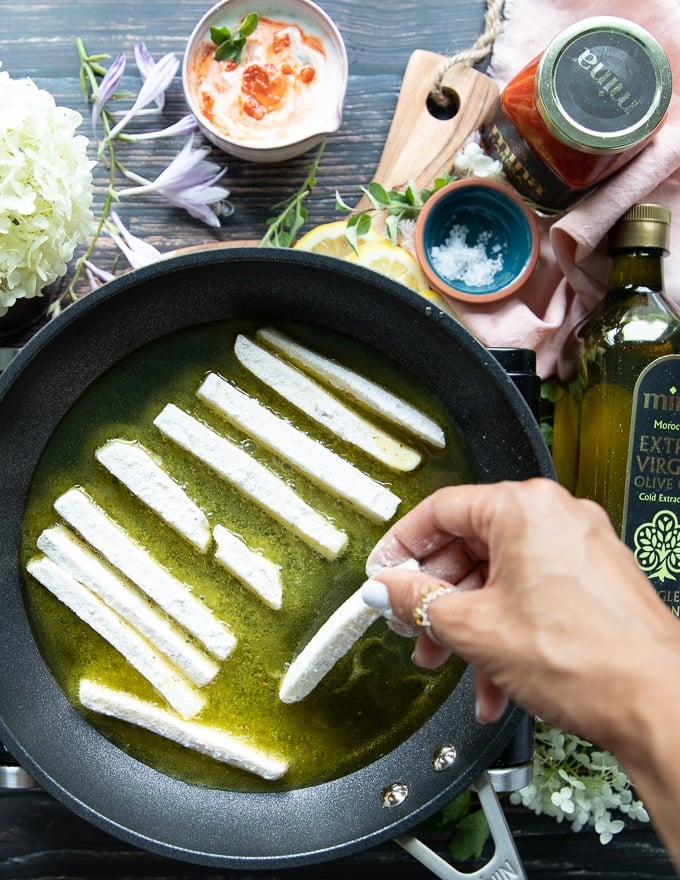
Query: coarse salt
x=456 y=260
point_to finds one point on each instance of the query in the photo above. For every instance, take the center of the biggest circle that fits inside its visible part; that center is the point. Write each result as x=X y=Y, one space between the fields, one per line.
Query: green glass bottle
x=624 y=407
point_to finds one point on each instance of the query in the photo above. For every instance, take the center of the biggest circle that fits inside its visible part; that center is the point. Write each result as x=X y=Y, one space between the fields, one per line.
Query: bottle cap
x=643 y=225
x=603 y=85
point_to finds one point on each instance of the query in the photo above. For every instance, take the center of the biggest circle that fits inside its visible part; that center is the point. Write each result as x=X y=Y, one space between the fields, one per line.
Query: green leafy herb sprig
x=230 y=46
x=284 y=226
x=463 y=820
x=396 y=204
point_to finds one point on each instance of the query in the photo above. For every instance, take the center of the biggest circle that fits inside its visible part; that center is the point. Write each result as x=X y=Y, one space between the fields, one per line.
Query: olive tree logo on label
x=657 y=546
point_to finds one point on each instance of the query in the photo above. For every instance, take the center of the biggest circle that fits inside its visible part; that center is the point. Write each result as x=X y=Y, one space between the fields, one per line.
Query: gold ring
x=421 y=613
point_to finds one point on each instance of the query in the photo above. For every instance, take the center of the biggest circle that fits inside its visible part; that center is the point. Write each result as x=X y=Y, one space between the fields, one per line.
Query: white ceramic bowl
x=287 y=93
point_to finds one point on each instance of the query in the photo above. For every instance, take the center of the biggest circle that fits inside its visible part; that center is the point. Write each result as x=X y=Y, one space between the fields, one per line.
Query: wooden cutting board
x=420 y=147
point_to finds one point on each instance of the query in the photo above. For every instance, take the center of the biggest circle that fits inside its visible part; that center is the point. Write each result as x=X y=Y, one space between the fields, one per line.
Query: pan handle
x=12 y=776
x=505 y=864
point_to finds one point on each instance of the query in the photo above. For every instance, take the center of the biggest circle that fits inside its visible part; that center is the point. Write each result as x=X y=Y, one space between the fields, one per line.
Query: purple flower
x=145 y=66
x=158 y=80
x=188 y=182
x=185 y=126
x=96 y=276
x=107 y=87
x=137 y=251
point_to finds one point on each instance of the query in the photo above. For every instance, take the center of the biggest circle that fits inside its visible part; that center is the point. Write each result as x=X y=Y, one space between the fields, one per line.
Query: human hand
x=549 y=607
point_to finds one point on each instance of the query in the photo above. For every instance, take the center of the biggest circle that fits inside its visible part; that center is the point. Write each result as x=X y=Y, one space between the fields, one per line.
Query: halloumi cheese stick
x=135 y=468
x=313 y=400
x=115 y=545
x=319 y=463
x=258 y=574
x=252 y=479
x=211 y=741
x=330 y=642
x=76 y=559
x=387 y=404
x=137 y=651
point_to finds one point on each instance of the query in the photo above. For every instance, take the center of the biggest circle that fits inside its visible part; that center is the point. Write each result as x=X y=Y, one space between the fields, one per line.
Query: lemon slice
x=376 y=252
x=330 y=239
x=393 y=261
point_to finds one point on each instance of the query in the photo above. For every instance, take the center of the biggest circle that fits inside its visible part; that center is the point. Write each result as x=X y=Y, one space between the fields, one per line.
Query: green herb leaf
x=465 y=821
x=250 y=23
x=230 y=47
x=357 y=225
x=219 y=34
x=284 y=226
x=398 y=205
x=472 y=832
x=412 y=194
x=341 y=204
x=377 y=193
x=392 y=227
x=363 y=223
x=456 y=809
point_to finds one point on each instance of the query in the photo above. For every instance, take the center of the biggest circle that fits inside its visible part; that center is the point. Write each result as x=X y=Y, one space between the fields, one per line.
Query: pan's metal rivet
x=394 y=795
x=444 y=757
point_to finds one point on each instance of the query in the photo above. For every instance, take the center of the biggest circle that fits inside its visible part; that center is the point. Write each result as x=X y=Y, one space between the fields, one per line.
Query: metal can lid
x=603 y=85
x=643 y=225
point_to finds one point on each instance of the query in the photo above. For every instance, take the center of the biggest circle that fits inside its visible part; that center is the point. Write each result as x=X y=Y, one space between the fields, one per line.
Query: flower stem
x=89 y=72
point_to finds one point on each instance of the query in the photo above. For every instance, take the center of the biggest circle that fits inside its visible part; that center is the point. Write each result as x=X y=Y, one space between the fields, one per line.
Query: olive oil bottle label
x=651 y=514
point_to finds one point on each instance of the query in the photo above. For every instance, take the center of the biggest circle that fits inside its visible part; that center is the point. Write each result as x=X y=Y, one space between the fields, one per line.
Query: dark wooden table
x=39 y=838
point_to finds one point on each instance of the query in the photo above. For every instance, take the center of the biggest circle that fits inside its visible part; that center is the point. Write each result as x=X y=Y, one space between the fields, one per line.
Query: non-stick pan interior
x=68 y=757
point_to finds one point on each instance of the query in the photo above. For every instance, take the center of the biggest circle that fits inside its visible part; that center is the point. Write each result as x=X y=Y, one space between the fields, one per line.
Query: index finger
x=448 y=521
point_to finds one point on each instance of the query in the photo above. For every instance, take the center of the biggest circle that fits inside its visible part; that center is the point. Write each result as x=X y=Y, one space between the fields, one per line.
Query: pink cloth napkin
x=571 y=274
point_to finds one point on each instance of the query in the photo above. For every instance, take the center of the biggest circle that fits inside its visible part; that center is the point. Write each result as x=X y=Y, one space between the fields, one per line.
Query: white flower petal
x=45 y=189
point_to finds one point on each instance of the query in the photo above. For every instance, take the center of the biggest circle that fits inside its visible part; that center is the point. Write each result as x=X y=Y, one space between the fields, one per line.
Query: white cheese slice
x=133 y=465
x=211 y=741
x=313 y=400
x=260 y=575
x=252 y=479
x=137 y=651
x=330 y=642
x=116 y=545
x=77 y=560
x=387 y=404
x=322 y=465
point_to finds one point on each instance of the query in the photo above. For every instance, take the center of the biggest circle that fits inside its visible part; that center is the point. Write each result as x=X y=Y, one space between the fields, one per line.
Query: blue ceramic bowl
x=476 y=240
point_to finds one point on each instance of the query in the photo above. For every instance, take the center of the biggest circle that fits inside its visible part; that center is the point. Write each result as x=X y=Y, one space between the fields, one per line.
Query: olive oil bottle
x=619 y=428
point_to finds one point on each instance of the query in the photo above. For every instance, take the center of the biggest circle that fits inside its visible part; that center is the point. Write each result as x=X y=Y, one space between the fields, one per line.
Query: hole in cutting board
x=444 y=105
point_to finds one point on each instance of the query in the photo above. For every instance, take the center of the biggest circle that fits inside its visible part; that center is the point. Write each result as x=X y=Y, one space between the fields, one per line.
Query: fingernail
x=490 y=716
x=376 y=595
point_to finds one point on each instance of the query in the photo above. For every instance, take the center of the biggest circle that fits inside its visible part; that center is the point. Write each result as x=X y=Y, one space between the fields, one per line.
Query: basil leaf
x=230 y=48
x=219 y=34
x=250 y=22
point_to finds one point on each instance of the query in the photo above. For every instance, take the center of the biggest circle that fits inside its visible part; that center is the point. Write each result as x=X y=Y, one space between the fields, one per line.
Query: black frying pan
x=53 y=742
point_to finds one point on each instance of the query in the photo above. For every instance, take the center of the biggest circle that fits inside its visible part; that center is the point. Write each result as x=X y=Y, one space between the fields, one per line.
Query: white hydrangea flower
x=472 y=161
x=45 y=189
x=575 y=781
x=406 y=233
x=563 y=799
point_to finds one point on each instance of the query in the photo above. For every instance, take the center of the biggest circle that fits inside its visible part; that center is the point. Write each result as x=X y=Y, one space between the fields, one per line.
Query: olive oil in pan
x=375 y=697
